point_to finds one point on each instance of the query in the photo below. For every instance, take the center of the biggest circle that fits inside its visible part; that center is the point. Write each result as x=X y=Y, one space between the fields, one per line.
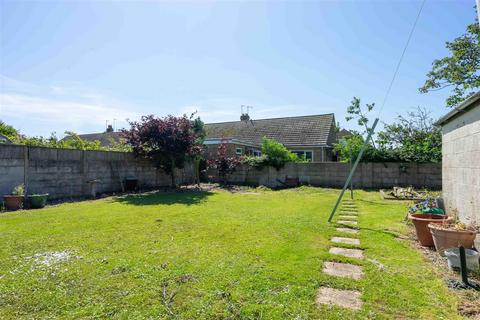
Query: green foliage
x=8 y=131
x=409 y=139
x=412 y=138
x=18 y=190
x=459 y=71
x=274 y=154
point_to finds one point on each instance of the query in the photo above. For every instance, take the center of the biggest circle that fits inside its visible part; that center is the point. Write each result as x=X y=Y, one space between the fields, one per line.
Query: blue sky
x=73 y=65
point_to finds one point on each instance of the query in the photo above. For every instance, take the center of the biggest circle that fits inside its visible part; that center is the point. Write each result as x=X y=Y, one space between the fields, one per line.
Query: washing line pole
x=352 y=171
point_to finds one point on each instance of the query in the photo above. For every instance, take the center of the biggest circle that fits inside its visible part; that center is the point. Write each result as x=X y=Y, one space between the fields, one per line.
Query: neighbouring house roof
x=463 y=107
x=290 y=131
x=106 y=139
x=343 y=134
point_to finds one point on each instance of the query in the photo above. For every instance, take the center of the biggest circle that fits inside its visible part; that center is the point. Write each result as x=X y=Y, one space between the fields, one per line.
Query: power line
x=401 y=59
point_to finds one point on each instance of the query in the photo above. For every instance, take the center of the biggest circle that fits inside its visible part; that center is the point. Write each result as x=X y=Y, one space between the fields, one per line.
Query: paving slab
x=346 y=240
x=347 y=230
x=344 y=270
x=343 y=217
x=351 y=253
x=354 y=223
x=343 y=298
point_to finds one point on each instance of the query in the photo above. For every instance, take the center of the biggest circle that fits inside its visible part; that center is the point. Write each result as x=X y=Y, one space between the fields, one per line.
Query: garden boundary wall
x=334 y=174
x=66 y=173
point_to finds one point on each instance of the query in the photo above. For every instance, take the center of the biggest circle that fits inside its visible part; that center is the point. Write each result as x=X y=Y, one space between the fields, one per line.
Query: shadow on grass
x=168 y=198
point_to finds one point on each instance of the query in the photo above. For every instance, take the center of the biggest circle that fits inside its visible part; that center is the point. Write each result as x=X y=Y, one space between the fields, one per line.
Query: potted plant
x=423 y=213
x=13 y=201
x=450 y=235
x=37 y=201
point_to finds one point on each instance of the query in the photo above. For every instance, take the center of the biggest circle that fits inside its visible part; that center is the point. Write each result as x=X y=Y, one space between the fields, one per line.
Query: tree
x=352 y=146
x=356 y=112
x=223 y=163
x=169 y=142
x=459 y=71
x=413 y=138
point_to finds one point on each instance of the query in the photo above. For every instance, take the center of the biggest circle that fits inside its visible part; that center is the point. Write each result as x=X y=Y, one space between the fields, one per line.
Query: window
x=257 y=153
x=304 y=154
x=239 y=151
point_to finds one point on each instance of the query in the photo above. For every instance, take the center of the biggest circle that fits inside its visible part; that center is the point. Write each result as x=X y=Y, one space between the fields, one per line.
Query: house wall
x=65 y=173
x=334 y=174
x=461 y=165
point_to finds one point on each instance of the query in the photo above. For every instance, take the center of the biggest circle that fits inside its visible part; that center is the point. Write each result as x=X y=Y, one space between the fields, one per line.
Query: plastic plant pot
x=37 y=201
x=453 y=257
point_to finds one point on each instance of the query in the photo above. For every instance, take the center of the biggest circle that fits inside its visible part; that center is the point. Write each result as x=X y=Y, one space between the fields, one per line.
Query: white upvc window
x=304 y=154
x=239 y=151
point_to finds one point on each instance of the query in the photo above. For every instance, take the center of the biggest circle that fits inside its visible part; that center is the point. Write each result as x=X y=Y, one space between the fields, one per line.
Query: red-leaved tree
x=167 y=141
x=223 y=163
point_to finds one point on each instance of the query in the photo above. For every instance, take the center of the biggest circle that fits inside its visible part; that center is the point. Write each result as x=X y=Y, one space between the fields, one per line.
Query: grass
x=209 y=255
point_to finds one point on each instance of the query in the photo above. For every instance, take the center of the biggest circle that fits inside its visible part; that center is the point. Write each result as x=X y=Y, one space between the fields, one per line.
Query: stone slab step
x=344 y=270
x=342 y=298
x=351 y=253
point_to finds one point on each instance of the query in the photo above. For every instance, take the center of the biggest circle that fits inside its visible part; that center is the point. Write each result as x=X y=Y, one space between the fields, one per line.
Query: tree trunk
x=172 y=173
x=197 y=171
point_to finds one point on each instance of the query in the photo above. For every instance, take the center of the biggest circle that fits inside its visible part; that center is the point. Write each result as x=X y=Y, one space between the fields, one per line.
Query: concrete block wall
x=65 y=173
x=461 y=165
x=334 y=174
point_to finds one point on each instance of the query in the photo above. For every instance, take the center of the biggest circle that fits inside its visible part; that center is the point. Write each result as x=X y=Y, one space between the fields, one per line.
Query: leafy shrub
x=18 y=190
x=274 y=154
x=223 y=163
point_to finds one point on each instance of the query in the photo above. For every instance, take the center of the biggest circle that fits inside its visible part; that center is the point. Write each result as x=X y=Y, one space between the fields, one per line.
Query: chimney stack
x=109 y=128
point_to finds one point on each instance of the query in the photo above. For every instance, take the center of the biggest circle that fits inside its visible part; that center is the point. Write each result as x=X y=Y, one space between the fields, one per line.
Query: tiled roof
x=291 y=131
x=106 y=138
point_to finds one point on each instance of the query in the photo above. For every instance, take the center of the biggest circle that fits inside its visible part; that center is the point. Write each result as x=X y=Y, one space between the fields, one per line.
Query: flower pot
x=13 y=202
x=444 y=239
x=453 y=256
x=37 y=201
x=421 y=222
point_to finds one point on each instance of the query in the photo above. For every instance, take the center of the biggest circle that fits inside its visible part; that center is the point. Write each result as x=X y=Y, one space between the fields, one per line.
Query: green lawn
x=210 y=255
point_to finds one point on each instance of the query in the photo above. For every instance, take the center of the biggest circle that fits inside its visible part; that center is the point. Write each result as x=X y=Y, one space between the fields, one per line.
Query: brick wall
x=334 y=174
x=65 y=173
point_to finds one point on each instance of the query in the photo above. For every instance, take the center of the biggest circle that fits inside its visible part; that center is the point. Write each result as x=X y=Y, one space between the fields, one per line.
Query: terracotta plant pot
x=13 y=202
x=421 y=222
x=446 y=239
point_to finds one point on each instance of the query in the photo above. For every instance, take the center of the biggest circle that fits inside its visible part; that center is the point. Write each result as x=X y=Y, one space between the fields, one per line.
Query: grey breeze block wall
x=334 y=174
x=64 y=173
x=461 y=165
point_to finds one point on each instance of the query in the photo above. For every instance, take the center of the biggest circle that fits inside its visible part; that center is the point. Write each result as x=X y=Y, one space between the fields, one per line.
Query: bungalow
x=311 y=137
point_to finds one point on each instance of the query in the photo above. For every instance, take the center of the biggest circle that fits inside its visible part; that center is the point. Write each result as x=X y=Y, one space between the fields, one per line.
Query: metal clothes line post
x=350 y=176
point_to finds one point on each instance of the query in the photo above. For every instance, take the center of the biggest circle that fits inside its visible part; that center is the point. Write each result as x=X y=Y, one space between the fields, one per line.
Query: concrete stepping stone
x=344 y=270
x=342 y=298
x=351 y=253
x=347 y=230
x=343 y=217
x=346 y=240
x=354 y=223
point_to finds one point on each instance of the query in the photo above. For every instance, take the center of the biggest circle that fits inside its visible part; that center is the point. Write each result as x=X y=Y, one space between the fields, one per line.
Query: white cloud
x=39 y=111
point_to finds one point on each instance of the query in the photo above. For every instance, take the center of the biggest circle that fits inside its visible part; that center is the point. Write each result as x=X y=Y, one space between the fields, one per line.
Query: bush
x=274 y=154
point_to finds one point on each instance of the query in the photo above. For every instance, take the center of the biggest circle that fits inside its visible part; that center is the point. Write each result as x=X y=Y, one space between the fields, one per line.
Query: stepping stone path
x=343 y=298
x=347 y=230
x=347 y=222
x=352 y=241
x=343 y=270
x=351 y=253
